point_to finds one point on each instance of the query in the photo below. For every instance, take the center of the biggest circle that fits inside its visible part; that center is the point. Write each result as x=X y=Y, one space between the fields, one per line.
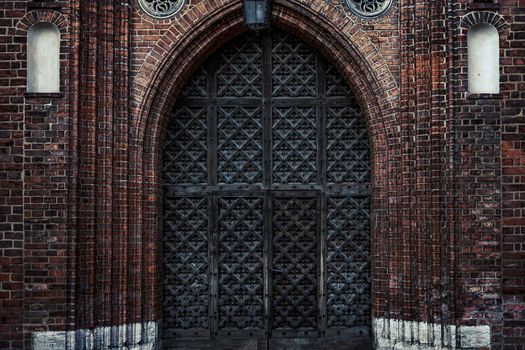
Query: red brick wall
x=79 y=177
x=11 y=177
x=492 y=123
x=428 y=209
x=513 y=176
x=479 y=187
x=34 y=237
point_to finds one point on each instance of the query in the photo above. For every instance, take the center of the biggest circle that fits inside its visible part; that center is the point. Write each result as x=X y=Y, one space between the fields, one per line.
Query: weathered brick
x=79 y=172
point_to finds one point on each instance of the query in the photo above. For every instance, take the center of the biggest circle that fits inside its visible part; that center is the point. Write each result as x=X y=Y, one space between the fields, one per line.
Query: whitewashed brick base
x=129 y=337
x=388 y=335
x=409 y=335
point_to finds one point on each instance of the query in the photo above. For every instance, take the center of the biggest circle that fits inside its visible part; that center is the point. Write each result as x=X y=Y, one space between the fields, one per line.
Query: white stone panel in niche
x=483 y=59
x=43 y=58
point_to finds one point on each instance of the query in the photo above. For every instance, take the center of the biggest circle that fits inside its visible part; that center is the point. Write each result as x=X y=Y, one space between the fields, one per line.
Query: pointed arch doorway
x=266 y=230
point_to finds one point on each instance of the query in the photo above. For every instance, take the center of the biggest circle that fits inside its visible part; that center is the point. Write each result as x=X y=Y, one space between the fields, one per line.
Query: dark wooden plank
x=321 y=137
x=352 y=190
x=276 y=101
x=267 y=110
x=267 y=263
x=214 y=266
x=212 y=123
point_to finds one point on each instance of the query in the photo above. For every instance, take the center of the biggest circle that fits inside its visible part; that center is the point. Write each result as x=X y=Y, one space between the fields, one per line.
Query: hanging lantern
x=257 y=14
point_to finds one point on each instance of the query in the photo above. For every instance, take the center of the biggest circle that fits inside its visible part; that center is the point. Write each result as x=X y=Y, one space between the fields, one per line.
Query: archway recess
x=158 y=83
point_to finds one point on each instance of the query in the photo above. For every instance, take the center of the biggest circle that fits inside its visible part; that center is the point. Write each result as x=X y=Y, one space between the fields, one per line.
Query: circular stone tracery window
x=161 y=8
x=369 y=8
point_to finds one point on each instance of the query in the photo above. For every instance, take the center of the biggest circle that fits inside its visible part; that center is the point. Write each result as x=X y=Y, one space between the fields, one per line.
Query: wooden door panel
x=266 y=172
x=241 y=266
x=295 y=266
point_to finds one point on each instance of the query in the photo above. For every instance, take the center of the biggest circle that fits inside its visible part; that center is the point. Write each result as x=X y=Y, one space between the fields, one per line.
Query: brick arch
x=488 y=17
x=38 y=16
x=176 y=56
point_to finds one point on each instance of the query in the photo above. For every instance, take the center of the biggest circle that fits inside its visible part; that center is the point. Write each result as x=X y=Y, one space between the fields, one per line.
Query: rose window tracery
x=369 y=8
x=161 y=8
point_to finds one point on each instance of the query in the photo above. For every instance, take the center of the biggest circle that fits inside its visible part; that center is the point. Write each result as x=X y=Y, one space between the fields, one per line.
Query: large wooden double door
x=266 y=204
